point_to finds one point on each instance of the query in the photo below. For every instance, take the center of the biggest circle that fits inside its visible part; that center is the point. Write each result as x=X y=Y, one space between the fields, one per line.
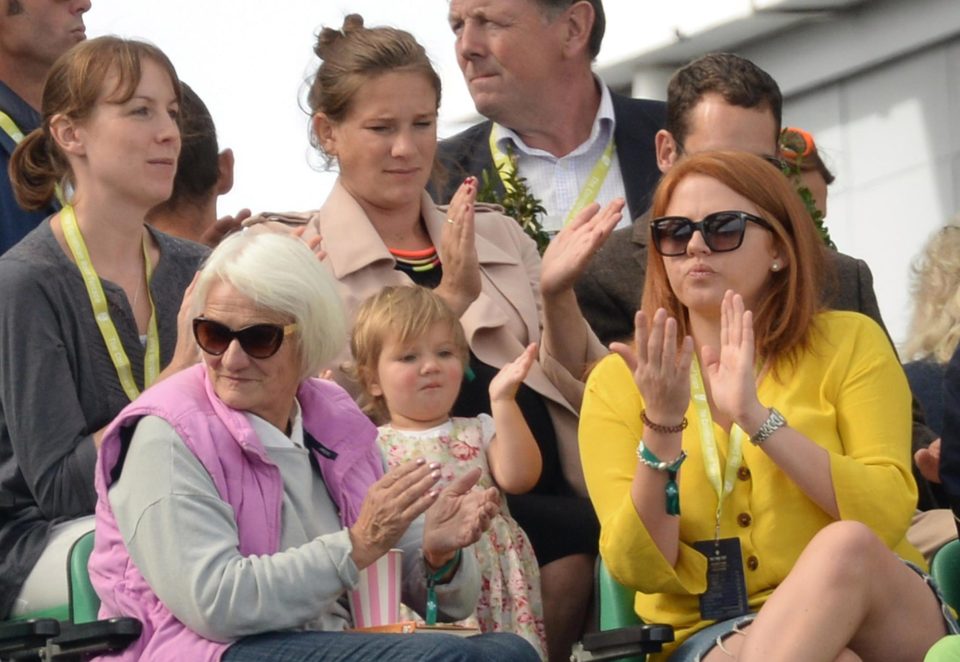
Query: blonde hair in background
x=934 y=330
x=403 y=313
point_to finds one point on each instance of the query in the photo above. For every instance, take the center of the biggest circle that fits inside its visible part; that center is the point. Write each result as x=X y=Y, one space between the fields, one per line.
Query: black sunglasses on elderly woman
x=722 y=231
x=259 y=341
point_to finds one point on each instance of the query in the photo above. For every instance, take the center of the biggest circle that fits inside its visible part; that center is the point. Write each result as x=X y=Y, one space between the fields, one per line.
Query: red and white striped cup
x=376 y=599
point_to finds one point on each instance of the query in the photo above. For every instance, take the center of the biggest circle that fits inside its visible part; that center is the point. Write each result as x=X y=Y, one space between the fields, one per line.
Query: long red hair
x=784 y=316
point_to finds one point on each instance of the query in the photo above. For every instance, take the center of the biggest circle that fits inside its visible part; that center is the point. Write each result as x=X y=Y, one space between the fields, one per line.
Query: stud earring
x=775 y=266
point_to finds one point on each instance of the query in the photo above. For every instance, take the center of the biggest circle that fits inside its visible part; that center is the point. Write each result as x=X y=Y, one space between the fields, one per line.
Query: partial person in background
x=90 y=301
x=810 y=175
x=527 y=64
x=800 y=152
x=33 y=34
x=934 y=331
x=203 y=174
x=374 y=101
x=933 y=337
x=948 y=460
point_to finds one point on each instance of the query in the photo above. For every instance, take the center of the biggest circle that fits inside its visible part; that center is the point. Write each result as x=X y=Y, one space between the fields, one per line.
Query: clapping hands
x=730 y=368
x=660 y=366
x=570 y=251
x=460 y=283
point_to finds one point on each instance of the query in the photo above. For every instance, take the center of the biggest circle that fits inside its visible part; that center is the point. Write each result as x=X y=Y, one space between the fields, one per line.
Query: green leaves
x=517 y=201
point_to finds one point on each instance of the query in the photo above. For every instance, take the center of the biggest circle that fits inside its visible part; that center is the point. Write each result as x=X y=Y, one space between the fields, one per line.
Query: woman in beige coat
x=374 y=102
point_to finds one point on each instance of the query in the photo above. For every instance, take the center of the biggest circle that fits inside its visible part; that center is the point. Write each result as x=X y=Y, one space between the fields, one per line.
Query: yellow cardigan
x=848 y=394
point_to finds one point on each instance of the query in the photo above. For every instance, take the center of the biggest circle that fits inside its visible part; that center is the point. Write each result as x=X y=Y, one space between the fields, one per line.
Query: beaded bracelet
x=432 y=581
x=663 y=429
x=672 y=490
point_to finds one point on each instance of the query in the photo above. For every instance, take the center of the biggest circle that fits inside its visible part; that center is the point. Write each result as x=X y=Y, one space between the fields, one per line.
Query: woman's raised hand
x=398 y=498
x=660 y=370
x=729 y=369
x=570 y=251
x=458 y=518
x=460 y=284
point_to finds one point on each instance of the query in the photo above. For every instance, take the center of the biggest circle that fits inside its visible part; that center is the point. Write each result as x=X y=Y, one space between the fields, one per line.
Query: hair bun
x=352 y=23
x=328 y=37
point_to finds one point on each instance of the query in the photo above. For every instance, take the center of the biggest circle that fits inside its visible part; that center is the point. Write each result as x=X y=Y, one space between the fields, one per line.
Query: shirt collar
x=271 y=437
x=603 y=127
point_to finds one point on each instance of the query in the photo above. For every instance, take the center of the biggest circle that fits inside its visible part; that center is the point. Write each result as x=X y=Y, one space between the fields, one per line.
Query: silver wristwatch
x=774 y=422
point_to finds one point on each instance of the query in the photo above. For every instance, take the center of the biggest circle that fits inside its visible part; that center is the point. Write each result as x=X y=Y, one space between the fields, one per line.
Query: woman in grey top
x=109 y=134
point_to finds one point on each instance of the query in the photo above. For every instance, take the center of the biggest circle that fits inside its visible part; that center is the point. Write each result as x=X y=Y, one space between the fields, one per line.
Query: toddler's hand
x=504 y=386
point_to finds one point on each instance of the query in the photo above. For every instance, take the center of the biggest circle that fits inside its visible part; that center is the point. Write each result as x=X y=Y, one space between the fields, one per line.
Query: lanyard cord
x=98 y=301
x=588 y=194
x=708 y=444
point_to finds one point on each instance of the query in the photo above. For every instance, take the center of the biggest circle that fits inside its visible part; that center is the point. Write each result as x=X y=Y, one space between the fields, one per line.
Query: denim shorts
x=696 y=647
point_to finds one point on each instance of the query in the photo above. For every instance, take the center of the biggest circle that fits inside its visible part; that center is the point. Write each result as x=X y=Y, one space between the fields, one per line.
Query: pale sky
x=249 y=62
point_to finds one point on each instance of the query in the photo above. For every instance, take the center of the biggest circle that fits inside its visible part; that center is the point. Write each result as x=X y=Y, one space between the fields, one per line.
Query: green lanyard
x=590 y=190
x=98 y=300
x=708 y=443
x=16 y=135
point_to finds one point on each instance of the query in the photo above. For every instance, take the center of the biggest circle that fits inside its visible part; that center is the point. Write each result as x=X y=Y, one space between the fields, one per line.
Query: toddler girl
x=409 y=352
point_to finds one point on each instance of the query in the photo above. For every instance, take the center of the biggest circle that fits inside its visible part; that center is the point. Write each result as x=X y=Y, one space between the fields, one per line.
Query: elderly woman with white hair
x=238 y=500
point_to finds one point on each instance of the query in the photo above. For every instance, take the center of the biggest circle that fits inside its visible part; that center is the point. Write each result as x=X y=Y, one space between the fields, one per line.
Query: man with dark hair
x=33 y=34
x=203 y=174
x=527 y=64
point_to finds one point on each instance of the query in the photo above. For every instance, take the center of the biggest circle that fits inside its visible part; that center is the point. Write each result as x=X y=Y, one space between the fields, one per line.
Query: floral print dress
x=510 y=591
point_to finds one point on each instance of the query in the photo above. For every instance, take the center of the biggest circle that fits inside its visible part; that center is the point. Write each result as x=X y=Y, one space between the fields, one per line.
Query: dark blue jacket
x=950 y=439
x=15 y=223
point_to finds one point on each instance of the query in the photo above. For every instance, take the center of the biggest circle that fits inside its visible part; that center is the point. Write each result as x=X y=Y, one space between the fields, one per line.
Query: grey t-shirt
x=58 y=385
x=183 y=538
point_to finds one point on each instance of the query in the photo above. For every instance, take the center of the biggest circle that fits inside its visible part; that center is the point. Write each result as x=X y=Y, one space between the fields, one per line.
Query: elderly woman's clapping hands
x=457 y=519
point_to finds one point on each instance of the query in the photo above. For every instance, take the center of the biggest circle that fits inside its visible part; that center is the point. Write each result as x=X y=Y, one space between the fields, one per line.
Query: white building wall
x=892 y=137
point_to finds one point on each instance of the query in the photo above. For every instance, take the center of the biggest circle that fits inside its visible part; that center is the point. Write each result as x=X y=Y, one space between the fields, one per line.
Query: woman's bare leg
x=566 y=586
x=734 y=643
x=846 y=590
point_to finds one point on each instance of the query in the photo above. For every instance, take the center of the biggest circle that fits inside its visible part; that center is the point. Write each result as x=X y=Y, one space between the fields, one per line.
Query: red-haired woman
x=792 y=425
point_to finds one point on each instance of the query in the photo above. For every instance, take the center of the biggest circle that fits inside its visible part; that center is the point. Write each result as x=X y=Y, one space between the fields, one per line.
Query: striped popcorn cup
x=376 y=599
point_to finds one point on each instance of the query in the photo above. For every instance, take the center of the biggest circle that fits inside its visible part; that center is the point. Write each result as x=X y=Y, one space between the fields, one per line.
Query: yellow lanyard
x=10 y=127
x=16 y=135
x=708 y=443
x=590 y=190
x=98 y=300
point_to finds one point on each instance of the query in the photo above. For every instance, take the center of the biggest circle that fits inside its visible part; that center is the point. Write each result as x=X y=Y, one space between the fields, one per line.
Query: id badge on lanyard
x=726 y=594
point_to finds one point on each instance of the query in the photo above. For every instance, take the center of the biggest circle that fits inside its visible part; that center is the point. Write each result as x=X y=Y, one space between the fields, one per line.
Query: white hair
x=281 y=274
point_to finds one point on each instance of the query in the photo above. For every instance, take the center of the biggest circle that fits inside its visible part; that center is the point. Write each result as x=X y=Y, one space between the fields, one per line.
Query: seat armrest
x=111 y=634
x=650 y=637
x=30 y=635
